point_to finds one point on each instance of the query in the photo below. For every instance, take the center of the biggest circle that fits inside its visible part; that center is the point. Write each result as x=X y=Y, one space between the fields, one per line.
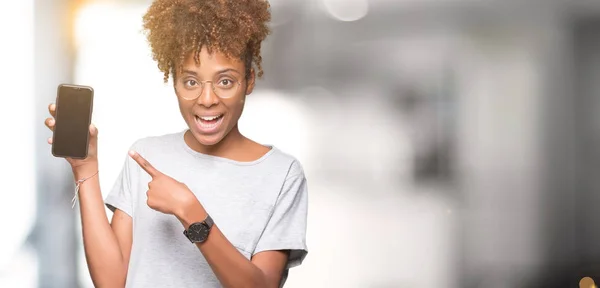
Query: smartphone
x=74 y=105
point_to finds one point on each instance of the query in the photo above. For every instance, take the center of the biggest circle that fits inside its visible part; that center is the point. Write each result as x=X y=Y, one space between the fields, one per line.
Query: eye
x=226 y=83
x=190 y=83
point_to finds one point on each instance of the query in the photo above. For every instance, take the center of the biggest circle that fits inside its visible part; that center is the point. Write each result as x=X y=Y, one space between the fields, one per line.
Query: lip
x=208 y=129
x=209 y=115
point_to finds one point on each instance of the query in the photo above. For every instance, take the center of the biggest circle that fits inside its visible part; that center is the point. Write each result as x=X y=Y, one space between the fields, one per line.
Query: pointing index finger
x=144 y=164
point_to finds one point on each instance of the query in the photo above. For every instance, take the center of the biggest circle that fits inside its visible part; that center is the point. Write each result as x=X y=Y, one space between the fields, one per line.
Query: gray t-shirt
x=259 y=206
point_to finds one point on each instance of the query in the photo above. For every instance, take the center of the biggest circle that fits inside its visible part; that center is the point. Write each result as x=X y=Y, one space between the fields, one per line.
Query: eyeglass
x=191 y=89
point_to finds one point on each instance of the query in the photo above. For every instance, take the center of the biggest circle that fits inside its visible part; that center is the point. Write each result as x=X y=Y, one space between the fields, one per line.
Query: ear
x=251 y=81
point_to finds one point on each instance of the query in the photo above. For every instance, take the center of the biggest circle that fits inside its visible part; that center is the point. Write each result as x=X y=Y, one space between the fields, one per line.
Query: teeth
x=209 y=118
x=202 y=122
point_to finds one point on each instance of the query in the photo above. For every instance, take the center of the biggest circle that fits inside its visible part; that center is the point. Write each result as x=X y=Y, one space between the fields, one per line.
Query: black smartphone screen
x=73 y=118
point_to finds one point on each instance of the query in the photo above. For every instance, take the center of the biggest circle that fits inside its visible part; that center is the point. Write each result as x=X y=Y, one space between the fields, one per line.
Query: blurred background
x=447 y=143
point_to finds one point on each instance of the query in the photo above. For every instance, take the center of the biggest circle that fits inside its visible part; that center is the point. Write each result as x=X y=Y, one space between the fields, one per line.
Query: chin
x=207 y=140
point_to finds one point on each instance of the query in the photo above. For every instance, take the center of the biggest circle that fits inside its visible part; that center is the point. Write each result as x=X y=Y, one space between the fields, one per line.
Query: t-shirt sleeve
x=120 y=197
x=286 y=229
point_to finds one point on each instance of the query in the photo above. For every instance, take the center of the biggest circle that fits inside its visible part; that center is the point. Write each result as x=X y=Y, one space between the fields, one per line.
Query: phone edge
x=89 y=122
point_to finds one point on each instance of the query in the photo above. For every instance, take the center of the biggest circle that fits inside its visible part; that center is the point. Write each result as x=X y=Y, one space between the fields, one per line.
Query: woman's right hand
x=81 y=167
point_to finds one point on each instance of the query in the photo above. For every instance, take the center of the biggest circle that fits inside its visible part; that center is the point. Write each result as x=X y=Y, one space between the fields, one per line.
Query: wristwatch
x=198 y=232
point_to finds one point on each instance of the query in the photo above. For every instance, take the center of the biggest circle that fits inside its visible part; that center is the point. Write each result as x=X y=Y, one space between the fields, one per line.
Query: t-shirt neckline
x=181 y=140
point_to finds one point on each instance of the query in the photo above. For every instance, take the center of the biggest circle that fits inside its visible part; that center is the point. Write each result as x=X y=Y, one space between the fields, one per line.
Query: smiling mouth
x=208 y=122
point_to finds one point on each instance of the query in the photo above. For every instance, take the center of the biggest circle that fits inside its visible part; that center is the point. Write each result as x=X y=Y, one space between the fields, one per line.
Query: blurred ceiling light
x=87 y=22
x=347 y=10
x=92 y=28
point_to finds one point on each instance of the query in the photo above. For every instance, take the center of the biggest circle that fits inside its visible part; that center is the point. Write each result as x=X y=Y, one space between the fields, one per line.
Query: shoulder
x=156 y=142
x=289 y=163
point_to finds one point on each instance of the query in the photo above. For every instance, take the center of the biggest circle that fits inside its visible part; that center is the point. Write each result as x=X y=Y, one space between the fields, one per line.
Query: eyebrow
x=191 y=72
x=185 y=71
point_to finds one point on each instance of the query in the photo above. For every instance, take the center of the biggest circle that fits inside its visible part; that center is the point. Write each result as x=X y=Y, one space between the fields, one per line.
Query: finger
x=50 y=140
x=52 y=109
x=149 y=202
x=93 y=137
x=93 y=130
x=144 y=164
x=93 y=133
x=50 y=123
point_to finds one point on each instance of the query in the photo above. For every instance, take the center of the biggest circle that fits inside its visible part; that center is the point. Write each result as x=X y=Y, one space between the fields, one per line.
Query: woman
x=206 y=207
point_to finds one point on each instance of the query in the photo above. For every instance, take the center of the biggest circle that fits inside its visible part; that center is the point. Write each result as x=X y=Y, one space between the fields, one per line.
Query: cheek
x=235 y=109
x=184 y=108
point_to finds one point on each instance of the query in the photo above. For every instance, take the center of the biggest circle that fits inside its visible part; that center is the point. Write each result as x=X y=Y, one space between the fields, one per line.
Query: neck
x=233 y=139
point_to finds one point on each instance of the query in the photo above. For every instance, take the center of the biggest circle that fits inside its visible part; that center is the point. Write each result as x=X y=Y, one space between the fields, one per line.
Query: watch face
x=197 y=232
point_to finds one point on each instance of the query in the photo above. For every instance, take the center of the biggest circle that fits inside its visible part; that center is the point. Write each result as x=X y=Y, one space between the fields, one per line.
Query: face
x=221 y=86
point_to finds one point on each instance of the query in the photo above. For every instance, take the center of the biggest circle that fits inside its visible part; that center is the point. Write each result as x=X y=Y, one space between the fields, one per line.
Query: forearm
x=231 y=267
x=102 y=251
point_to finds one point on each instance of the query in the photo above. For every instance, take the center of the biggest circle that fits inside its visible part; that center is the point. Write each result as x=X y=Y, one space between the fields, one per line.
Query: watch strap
x=208 y=221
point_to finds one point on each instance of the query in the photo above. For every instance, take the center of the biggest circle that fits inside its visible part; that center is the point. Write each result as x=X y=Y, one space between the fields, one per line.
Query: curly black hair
x=236 y=28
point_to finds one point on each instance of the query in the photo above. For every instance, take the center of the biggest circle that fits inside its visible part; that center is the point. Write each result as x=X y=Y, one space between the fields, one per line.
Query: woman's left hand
x=165 y=194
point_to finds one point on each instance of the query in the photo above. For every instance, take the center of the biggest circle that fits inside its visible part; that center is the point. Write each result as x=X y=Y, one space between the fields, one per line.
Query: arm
x=107 y=246
x=287 y=225
x=231 y=267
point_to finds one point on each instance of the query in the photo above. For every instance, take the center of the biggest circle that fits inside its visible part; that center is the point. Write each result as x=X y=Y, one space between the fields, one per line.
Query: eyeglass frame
x=202 y=89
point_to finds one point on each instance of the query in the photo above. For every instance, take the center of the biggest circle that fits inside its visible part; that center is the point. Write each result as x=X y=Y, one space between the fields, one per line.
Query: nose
x=208 y=97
